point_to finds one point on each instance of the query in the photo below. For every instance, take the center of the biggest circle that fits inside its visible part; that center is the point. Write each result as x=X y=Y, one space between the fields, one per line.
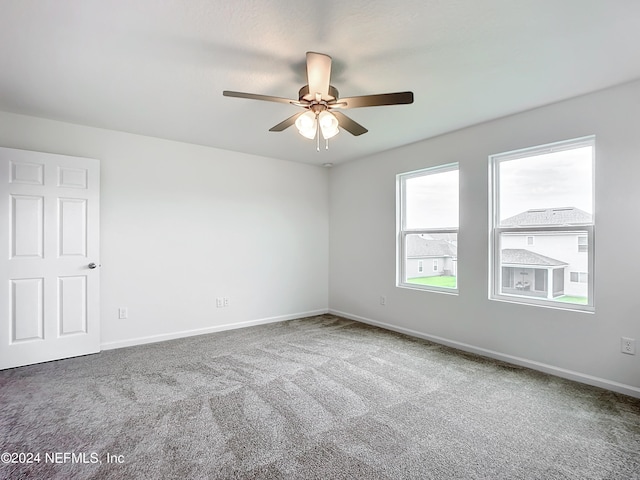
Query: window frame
x=496 y=231
x=403 y=231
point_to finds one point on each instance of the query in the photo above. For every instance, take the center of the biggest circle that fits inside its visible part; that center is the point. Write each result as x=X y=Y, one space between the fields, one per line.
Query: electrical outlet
x=383 y=300
x=219 y=302
x=628 y=345
x=225 y=301
x=123 y=313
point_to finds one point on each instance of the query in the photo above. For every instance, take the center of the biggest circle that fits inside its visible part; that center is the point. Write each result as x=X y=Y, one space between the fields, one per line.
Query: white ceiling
x=158 y=67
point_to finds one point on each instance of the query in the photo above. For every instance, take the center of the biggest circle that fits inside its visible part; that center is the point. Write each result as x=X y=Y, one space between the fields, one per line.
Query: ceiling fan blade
x=318 y=74
x=286 y=123
x=337 y=104
x=399 y=98
x=254 y=96
x=354 y=128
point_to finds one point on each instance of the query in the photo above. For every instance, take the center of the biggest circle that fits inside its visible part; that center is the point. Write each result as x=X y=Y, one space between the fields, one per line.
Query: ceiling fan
x=321 y=103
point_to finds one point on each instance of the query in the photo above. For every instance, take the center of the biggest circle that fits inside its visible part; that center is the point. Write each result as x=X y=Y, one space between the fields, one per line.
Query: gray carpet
x=315 y=398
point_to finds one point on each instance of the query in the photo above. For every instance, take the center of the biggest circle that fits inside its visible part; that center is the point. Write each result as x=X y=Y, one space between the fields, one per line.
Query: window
x=546 y=195
x=428 y=228
x=583 y=244
x=580 y=277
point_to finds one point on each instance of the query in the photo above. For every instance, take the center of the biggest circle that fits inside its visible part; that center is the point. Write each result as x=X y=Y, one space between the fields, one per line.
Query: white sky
x=432 y=201
x=558 y=179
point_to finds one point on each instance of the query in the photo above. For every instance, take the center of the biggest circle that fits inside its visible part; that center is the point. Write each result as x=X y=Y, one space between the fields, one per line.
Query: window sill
x=567 y=307
x=424 y=288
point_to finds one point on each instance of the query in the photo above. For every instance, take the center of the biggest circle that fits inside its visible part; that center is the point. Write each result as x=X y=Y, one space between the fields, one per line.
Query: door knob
x=92 y=265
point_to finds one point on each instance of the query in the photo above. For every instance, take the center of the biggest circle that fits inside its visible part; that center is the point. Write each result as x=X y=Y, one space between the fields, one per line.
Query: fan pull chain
x=317 y=134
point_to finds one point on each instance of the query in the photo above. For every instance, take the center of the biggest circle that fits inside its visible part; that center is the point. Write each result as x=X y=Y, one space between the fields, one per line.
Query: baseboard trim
x=523 y=362
x=202 y=331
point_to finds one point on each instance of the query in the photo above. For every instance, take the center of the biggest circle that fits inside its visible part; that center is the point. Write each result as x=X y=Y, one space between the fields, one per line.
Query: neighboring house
x=546 y=264
x=537 y=264
x=428 y=256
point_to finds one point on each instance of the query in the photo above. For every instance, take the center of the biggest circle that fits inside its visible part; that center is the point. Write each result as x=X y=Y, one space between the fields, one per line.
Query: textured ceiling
x=158 y=67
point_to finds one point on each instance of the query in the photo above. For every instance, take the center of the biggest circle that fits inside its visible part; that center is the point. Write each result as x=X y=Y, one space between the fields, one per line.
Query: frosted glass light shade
x=307 y=124
x=328 y=124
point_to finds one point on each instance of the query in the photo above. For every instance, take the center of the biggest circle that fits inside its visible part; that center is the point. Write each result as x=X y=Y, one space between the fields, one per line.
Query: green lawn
x=443 y=281
x=570 y=299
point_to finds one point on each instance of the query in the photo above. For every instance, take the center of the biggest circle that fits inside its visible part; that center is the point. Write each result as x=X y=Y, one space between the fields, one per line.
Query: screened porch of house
x=531 y=281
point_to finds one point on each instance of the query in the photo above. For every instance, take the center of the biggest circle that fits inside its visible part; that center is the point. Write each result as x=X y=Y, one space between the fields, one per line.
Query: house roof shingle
x=548 y=216
x=418 y=246
x=521 y=256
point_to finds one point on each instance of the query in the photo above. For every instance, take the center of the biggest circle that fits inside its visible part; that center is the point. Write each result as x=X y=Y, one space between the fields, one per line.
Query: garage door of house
x=49 y=257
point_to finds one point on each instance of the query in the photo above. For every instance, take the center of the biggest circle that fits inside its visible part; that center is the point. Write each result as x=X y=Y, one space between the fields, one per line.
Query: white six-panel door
x=49 y=300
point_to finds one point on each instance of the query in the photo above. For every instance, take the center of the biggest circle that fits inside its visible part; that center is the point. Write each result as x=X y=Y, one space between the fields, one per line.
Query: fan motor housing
x=304 y=94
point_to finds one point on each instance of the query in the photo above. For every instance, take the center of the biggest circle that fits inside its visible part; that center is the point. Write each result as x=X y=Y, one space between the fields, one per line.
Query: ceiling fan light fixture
x=328 y=124
x=323 y=106
x=307 y=125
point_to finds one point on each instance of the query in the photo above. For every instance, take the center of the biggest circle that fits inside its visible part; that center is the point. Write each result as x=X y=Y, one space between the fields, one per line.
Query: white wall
x=573 y=344
x=183 y=224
